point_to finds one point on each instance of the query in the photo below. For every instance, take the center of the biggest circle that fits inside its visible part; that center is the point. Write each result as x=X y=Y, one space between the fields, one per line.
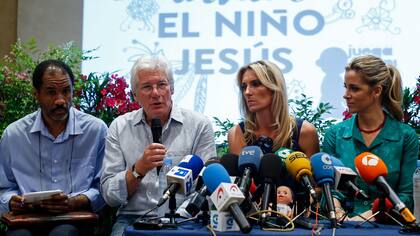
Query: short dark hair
x=40 y=70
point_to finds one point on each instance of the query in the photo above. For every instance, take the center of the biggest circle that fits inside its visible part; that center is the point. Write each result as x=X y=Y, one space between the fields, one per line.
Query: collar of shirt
x=175 y=115
x=388 y=132
x=72 y=127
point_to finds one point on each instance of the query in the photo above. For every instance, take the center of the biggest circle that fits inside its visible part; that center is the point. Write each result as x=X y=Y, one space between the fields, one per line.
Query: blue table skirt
x=190 y=228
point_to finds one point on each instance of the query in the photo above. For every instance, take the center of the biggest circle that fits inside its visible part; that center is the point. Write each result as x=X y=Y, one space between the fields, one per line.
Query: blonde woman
x=267 y=122
x=373 y=94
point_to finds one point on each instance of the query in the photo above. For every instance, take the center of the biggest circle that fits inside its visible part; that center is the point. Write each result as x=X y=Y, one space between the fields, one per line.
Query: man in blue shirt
x=56 y=147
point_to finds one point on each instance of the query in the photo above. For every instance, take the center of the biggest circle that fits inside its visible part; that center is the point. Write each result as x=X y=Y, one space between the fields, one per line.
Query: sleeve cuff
x=95 y=198
x=4 y=200
x=115 y=193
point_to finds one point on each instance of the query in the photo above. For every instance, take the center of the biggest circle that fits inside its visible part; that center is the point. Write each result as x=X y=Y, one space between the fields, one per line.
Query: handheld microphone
x=225 y=195
x=373 y=170
x=180 y=178
x=270 y=170
x=298 y=165
x=198 y=199
x=344 y=180
x=323 y=172
x=248 y=165
x=156 y=127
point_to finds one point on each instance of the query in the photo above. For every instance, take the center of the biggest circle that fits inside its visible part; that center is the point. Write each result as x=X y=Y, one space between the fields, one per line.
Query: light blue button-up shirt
x=31 y=159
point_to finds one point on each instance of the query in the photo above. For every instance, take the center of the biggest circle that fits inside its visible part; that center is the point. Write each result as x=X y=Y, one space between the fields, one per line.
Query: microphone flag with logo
x=180 y=178
x=373 y=171
x=299 y=166
x=225 y=195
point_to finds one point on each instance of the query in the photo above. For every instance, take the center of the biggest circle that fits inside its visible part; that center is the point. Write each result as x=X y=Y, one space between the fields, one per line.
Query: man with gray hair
x=130 y=153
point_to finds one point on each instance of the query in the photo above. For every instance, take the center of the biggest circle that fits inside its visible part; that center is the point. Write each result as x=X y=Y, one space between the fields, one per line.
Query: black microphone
x=230 y=162
x=270 y=170
x=157 y=135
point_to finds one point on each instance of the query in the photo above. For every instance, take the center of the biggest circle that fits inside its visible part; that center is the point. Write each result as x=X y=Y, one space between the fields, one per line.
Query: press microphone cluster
x=373 y=171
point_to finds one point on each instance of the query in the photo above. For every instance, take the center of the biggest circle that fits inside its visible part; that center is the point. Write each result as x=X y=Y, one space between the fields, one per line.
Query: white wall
x=50 y=21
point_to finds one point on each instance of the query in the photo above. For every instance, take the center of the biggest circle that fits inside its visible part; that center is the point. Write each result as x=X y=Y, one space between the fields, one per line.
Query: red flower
x=115 y=98
x=416 y=99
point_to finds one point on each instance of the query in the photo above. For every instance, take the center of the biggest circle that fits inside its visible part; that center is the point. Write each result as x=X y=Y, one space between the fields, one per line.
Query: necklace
x=373 y=130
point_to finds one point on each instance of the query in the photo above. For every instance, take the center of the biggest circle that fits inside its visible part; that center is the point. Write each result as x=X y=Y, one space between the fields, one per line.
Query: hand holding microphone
x=152 y=157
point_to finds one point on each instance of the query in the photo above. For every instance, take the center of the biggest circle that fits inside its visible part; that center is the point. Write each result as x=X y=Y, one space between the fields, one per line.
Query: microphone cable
x=275 y=227
x=152 y=209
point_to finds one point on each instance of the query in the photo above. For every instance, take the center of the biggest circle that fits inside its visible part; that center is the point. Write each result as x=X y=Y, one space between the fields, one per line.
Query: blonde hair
x=375 y=72
x=271 y=77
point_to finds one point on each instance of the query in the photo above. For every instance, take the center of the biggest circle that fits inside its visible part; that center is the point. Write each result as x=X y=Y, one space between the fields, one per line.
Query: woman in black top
x=267 y=122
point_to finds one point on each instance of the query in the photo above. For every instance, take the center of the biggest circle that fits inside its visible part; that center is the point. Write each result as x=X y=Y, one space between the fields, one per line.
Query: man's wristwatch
x=135 y=173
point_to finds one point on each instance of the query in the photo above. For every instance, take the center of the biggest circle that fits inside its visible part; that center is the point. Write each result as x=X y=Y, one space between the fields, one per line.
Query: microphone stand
x=172 y=212
x=204 y=216
x=300 y=219
x=381 y=209
x=270 y=199
x=349 y=208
